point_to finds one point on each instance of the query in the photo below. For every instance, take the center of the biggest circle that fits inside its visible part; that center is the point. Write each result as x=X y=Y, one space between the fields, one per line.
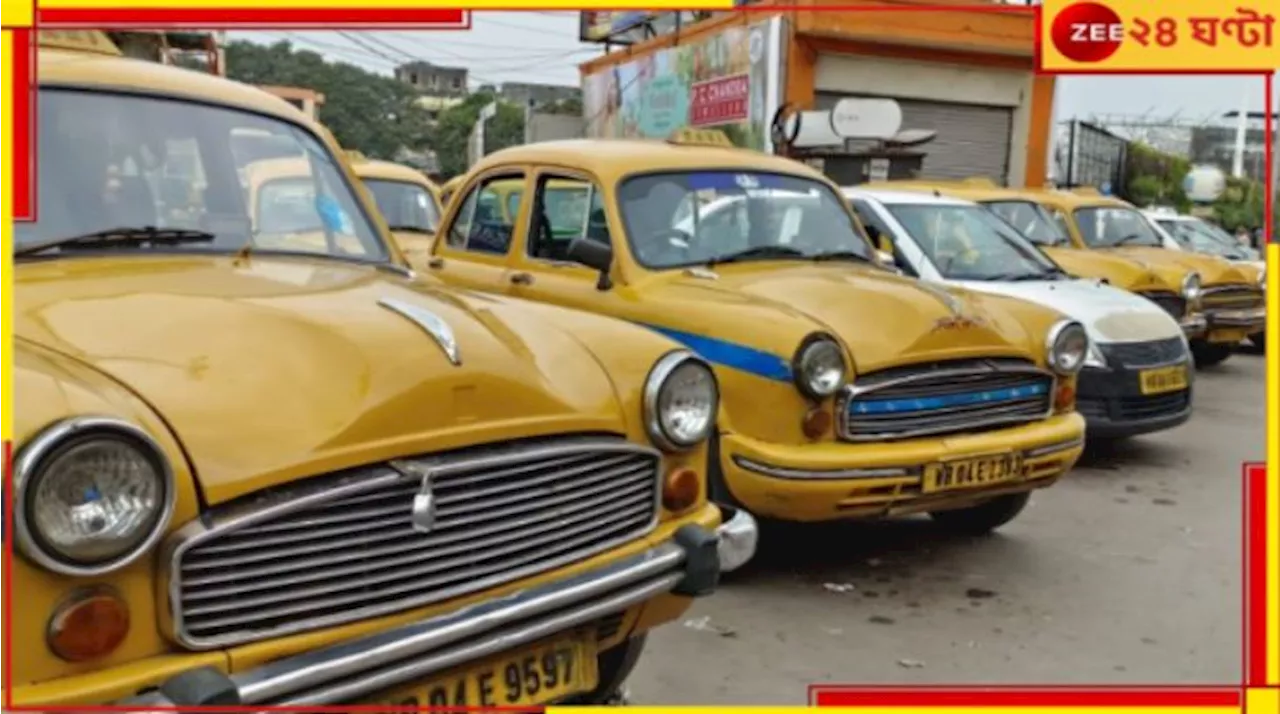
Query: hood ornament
x=422 y=517
x=430 y=322
x=958 y=322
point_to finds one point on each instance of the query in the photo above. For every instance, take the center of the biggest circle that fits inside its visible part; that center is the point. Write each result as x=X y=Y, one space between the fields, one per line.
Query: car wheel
x=615 y=665
x=984 y=517
x=1208 y=354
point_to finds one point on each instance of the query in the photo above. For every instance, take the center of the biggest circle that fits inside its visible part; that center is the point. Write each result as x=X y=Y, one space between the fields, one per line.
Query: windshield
x=1032 y=220
x=404 y=205
x=682 y=219
x=119 y=162
x=1198 y=237
x=969 y=243
x=1109 y=226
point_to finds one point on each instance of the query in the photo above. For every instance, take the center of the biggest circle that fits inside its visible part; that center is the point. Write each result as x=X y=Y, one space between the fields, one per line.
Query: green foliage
x=453 y=130
x=373 y=114
x=1155 y=178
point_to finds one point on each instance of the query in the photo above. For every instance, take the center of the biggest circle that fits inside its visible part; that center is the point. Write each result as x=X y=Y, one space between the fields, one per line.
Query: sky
x=543 y=46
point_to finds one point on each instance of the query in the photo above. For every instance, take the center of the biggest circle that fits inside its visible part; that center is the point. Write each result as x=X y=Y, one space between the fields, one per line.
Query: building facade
x=524 y=93
x=433 y=79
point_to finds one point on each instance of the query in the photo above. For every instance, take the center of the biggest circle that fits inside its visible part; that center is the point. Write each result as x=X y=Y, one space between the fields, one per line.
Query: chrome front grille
x=1232 y=297
x=1171 y=303
x=351 y=546
x=944 y=398
x=1144 y=354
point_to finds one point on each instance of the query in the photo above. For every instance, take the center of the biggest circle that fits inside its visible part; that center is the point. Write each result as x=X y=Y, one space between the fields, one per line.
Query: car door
x=477 y=238
x=564 y=206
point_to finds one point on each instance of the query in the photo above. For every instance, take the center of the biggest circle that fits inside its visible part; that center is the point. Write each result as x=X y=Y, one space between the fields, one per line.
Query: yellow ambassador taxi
x=848 y=390
x=408 y=200
x=1171 y=287
x=252 y=472
x=1229 y=295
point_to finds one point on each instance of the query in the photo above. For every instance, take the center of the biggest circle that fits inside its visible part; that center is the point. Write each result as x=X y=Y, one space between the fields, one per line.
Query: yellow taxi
x=449 y=188
x=254 y=471
x=1229 y=295
x=848 y=391
x=406 y=198
x=1171 y=288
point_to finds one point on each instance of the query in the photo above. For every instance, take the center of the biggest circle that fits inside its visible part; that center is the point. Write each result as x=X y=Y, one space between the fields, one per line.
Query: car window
x=114 y=161
x=405 y=206
x=481 y=223
x=565 y=210
x=1111 y=226
x=1031 y=220
x=679 y=219
x=968 y=242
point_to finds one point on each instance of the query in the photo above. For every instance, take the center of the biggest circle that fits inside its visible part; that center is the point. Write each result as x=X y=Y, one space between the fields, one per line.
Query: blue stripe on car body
x=730 y=354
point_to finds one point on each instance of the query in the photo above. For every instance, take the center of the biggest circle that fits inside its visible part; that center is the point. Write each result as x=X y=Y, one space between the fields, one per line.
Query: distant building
x=433 y=79
x=433 y=106
x=540 y=94
x=308 y=100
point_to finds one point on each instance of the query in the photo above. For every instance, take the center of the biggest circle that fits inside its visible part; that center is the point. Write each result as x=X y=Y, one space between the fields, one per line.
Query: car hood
x=1107 y=313
x=1212 y=270
x=1120 y=271
x=884 y=319
x=279 y=369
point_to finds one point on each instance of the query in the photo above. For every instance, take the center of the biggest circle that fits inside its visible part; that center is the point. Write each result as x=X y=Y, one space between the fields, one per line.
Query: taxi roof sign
x=700 y=137
x=94 y=41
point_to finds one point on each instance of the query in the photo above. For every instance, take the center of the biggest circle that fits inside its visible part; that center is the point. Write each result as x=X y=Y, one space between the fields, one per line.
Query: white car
x=1196 y=235
x=1138 y=376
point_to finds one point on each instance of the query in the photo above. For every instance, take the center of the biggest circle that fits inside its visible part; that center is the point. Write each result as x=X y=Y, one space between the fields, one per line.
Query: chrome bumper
x=738 y=536
x=688 y=565
x=1253 y=317
x=1194 y=325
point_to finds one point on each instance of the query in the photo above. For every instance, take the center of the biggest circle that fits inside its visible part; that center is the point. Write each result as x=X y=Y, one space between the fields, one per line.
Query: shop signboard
x=611 y=25
x=720 y=101
x=730 y=81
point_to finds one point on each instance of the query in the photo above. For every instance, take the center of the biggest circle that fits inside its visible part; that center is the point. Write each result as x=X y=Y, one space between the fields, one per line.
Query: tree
x=453 y=130
x=373 y=114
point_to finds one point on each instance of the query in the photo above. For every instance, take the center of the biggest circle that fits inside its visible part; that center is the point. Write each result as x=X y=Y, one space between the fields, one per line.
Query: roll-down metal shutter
x=972 y=140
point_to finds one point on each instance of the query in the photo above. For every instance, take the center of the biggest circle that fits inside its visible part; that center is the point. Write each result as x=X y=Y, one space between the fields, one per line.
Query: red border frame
x=1255 y=479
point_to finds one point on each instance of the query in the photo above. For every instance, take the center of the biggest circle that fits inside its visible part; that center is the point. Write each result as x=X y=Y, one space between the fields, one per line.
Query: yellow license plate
x=1165 y=379
x=1230 y=335
x=972 y=472
x=533 y=676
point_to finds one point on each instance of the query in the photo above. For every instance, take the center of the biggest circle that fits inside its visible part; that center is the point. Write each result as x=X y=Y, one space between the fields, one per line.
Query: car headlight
x=1094 y=357
x=1068 y=346
x=680 y=401
x=819 y=367
x=93 y=495
x=1191 y=287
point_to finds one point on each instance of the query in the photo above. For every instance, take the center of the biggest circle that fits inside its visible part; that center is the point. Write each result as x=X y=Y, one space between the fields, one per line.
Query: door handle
x=521 y=279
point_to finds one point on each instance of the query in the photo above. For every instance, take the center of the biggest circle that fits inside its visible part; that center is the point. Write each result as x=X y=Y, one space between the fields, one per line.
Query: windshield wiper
x=1126 y=239
x=763 y=251
x=840 y=255
x=140 y=236
x=410 y=229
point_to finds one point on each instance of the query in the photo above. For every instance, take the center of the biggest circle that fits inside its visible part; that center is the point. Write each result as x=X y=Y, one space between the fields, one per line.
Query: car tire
x=984 y=517
x=1209 y=355
x=615 y=666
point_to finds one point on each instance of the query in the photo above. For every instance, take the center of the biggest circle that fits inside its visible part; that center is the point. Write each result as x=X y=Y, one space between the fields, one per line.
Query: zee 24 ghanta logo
x=1092 y=32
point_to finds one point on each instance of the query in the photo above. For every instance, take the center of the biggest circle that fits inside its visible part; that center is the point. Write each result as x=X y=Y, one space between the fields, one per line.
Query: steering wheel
x=669 y=245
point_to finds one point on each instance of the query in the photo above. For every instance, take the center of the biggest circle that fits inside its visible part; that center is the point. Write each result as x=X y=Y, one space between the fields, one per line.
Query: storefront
x=965 y=74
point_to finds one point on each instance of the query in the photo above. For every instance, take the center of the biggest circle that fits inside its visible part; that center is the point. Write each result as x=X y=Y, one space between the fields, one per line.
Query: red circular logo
x=1087 y=32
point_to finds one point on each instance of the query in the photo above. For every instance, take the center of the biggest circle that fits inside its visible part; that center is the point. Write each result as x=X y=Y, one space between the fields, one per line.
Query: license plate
x=973 y=472
x=1229 y=335
x=1165 y=379
x=533 y=676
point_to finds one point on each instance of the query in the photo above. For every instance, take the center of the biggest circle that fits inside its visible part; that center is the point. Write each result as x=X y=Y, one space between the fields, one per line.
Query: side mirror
x=889 y=262
x=595 y=255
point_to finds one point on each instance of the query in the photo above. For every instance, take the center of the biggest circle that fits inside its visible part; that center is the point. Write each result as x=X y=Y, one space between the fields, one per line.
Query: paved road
x=1128 y=571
